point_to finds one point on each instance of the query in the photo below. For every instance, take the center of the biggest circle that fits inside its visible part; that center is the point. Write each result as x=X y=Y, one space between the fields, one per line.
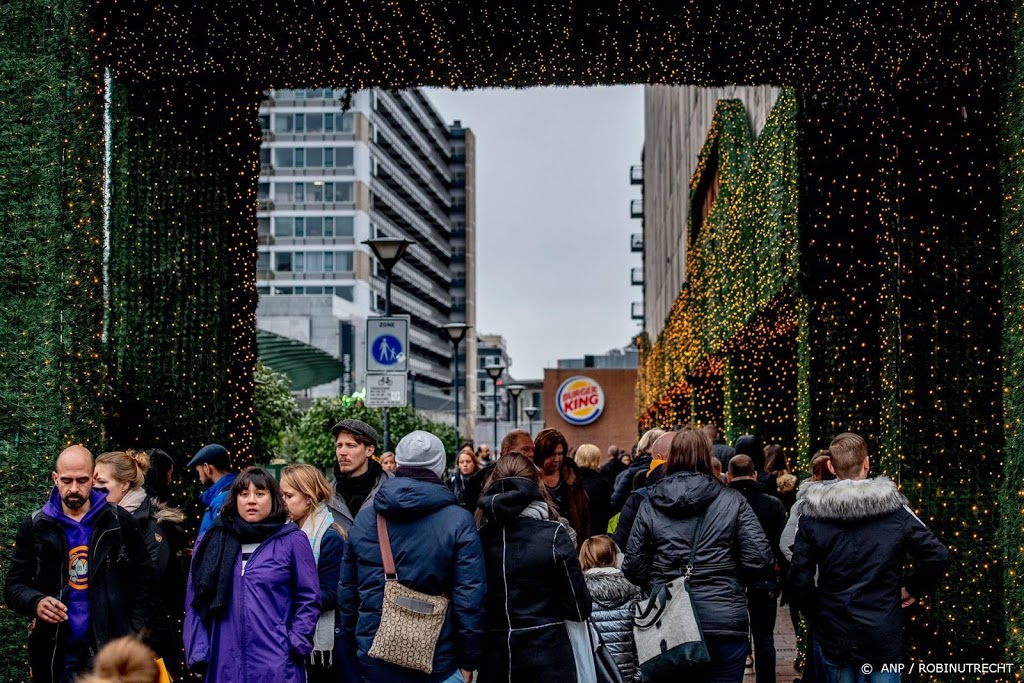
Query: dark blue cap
x=212 y=454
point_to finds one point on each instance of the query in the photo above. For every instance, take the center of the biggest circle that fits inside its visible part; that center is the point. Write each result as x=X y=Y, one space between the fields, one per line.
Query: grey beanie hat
x=421 y=449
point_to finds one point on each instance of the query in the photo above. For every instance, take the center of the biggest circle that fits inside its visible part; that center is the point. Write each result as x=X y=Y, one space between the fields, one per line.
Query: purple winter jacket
x=268 y=630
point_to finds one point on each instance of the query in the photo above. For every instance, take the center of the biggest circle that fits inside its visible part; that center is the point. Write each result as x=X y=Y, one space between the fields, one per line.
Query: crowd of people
x=529 y=565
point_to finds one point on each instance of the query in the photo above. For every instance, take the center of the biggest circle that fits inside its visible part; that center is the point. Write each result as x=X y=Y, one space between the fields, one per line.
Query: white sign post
x=387 y=345
x=386 y=390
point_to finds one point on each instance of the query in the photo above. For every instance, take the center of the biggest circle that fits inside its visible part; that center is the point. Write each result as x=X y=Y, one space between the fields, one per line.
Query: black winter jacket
x=770 y=513
x=613 y=597
x=624 y=481
x=120 y=576
x=628 y=515
x=855 y=535
x=599 y=498
x=732 y=549
x=534 y=585
x=164 y=537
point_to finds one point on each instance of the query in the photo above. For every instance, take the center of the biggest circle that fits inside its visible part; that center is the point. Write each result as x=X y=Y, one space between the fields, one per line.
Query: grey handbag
x=669 y=639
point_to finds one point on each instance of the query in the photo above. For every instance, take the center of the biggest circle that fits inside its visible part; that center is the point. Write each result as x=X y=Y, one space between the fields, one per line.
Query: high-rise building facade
x=388 y=166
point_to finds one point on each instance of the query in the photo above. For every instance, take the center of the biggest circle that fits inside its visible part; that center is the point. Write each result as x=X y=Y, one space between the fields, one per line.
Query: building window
x=263 y=261
x=314 y=122
x=315 y=192
x=283 y=262
x=314 y=157
x=263 y=191
x=313 y=261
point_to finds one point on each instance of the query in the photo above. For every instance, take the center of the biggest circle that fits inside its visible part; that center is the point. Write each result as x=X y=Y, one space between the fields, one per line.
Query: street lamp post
x=531 y=412
x=456 y=333
x=389 y=252
x=494 y=372
x=514 y=390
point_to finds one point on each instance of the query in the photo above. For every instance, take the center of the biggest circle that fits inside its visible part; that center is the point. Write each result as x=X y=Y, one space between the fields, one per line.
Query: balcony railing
x=636 y=310
x=636 y=208
x=636 y=242
x=636 y=276
x=636 y=175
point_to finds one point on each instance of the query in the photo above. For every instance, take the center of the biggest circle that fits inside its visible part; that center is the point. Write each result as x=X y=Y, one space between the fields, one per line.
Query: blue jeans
x=854 y=673
x=728 y=657
x=77 y=661
x=455 y=677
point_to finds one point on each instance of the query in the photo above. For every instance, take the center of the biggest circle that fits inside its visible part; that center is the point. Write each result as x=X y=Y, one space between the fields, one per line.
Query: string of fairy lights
x=897 y=316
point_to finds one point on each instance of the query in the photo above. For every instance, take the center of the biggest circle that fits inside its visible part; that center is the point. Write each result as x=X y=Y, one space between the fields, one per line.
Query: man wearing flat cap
x=213 y=465
x=357 y=476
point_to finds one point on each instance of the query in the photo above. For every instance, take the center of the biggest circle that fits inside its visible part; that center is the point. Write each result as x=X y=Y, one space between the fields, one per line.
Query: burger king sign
x=580 y=400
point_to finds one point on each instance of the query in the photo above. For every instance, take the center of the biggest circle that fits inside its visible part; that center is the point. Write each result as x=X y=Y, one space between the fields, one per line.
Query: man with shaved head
x=81 y=570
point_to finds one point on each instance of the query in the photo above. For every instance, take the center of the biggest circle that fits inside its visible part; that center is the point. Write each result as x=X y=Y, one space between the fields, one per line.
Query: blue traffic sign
x=387 y=350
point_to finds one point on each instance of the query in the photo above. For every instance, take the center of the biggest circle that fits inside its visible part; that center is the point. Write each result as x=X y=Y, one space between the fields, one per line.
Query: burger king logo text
x=580 y=400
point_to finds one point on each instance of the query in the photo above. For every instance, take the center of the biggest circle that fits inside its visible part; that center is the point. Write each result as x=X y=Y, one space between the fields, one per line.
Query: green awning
x=306 y=366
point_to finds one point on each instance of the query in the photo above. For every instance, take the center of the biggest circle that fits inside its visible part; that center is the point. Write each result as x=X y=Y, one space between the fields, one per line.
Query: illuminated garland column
x=182 y=270
x=1012 y=497
x=899 y=211
x=51 y=263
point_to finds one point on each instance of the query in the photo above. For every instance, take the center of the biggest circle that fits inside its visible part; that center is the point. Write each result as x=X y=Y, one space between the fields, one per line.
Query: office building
x=331 y=178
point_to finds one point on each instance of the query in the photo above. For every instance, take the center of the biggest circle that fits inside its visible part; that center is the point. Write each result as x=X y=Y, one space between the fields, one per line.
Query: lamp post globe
x=514 y=390
x=531 y=412
x=495 y=372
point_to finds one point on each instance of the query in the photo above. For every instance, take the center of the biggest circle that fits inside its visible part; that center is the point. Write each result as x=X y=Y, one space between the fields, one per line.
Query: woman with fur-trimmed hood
x=613 y=596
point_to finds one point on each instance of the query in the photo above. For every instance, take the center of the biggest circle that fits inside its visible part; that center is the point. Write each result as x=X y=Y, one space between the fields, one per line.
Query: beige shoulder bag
x=410 y=621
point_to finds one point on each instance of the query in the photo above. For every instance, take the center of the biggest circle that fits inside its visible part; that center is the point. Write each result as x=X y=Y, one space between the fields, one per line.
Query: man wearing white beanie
x=436 y=551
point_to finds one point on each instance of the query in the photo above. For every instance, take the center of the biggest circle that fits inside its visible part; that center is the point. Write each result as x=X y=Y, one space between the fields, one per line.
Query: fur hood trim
x=166 y=513
x=609 y=588
x=851 y=500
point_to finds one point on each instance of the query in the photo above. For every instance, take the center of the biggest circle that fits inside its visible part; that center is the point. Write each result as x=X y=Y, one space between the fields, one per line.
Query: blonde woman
x=306 y=492
x=121 y=475
x=599 y=490
x=613 y=597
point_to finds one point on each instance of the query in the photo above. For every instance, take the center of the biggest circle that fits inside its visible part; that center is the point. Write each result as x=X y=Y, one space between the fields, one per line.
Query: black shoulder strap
x=693 y=545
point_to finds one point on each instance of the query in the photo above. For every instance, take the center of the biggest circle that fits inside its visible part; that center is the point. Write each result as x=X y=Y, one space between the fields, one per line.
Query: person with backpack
x=413 y=557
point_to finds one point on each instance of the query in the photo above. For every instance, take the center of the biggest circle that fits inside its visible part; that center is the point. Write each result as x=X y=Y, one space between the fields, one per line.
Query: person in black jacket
x=641 y=483
x=517 y=441
x=81 y=569
x=597 y=488
x=641 y=463
x=752 y=446
x=852 y=534
x=731 y=550
x=121 y=475
x=534 y=580
x=613 y=596
x=763 y=594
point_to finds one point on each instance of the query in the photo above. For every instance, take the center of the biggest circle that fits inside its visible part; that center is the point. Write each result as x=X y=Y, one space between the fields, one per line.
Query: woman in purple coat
x=253 y=592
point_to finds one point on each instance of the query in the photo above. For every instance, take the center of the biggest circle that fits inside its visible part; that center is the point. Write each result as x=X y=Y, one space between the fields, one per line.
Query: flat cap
x=212 y=454
x=357 y=428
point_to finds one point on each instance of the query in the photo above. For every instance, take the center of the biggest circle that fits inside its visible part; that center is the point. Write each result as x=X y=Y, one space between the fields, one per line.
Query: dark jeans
x=761 y=603
x=728 y=656
x=77 y=661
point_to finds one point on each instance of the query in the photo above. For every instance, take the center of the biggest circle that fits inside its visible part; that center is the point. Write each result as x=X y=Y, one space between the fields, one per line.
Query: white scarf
x=315 y=526
x=133 y=499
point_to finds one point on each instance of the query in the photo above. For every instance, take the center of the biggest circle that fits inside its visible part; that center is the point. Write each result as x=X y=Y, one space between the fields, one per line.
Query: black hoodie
x=732 y=548
x=534 y=584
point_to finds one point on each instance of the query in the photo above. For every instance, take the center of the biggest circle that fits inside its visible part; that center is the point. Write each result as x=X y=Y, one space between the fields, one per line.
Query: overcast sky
x=552 y=221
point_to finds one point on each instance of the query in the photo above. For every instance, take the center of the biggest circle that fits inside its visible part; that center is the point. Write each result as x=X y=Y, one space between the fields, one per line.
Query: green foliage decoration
x=51 y=264
x=277 y=411
x=315 y=444
x=742 y=266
